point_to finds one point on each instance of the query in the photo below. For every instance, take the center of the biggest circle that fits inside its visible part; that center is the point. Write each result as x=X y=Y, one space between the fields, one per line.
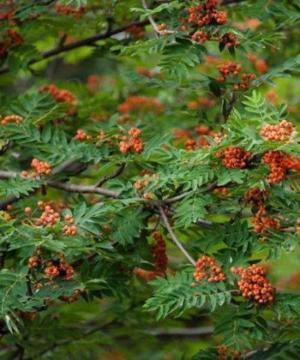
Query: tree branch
x=173 y=236
x=88 y=189
x=77 y=44
x=84 y=189
x=206 y=330
x=94 y=38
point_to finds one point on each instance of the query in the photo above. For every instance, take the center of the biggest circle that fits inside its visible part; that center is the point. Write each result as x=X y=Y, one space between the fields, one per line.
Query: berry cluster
x=101 y=137
x=69 y=10
x=235 y=157
x=292 y=163
x=24 y=173
x=27 y=315
x=205 y=137
x=229 y=68
x=206 y=14
x=260 y=65
x=280 y=132
x=200 y=37
x=144 y=182
x=132 y=143
x=140 y=184
x=15 y=37
x=3 y=49
x=160 y=260
x=262 y=222
x=280 y=163
x=229 y=40
x=145 y=72
x=256 y=197
x=276 y=161
x=291 y=282
x=201 y=102
x=11 y=119
x=203 y=130
x=33 y=262
x=69 y=227
x=81 y=135
x=162 y=29
x=250 y=23
x=234 y=69
x=7 y=11
x=28 y=210
x=40 y=167
x=61 y=95
x=10 y=38
x=254 y=285
x=222 y=190
x=93 y=83
x=190 y=144
x=48 y=217
x=60 y=267
x=207 y=267
x=73 y=298
x=159 y=253
x=272 y=97
x=226 y=353
x=245 y=82
x=51 y=268
x=181 y=133
x=148 y=196
x=140 y=103
x=136 y=31
x=146 y=275
x=202 y=141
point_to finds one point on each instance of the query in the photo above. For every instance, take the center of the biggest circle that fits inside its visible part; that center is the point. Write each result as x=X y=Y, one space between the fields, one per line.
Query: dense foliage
x=150 y=171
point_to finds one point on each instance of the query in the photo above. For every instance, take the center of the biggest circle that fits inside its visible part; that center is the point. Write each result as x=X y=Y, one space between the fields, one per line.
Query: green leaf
x=177 y=294
x=127 y=226
x=189 y=210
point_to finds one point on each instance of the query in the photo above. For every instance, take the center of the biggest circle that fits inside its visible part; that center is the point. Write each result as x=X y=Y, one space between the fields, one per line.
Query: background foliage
x=118 y=65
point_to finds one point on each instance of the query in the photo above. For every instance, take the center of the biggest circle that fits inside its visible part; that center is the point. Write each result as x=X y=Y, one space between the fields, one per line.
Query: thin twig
x=154 y=24
x=177 y=197
x=110 y=177
x=151 y=19
x=173 y=236
x=251 y=353
x=181 y=196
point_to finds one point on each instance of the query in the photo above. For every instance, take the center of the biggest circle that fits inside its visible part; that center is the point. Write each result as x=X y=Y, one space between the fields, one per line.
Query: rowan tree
x=150 y=167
